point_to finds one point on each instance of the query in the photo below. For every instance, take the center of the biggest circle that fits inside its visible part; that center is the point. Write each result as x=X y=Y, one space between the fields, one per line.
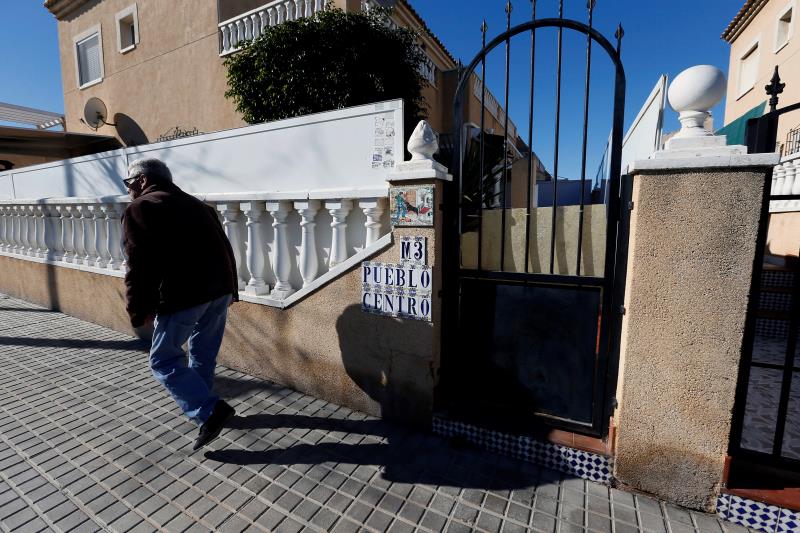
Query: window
x=748 y=69
x=89 y=57
x=783 y=29
x=127 y=29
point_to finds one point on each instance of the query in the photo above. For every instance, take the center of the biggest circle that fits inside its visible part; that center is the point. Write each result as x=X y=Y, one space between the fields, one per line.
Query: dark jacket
x=178 y=254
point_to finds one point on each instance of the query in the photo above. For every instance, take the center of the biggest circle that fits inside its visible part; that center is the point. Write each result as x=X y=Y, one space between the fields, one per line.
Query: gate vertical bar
x=481 y=138
x=530 y=142
x=505 y=144
x=558 y=127
x=590 y=5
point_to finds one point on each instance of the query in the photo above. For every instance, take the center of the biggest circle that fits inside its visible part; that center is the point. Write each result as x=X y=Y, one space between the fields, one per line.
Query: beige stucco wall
x=690 y=262
x=762 y=29
x=783 y=237
x=324 y=345
x=540 y=232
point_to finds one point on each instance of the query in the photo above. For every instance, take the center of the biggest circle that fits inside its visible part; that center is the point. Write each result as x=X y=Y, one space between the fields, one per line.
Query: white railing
x=252 y=24
x=786 y=180
x=285 y=246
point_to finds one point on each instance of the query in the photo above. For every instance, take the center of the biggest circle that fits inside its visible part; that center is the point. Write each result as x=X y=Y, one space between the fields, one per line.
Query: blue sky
x=661 y=37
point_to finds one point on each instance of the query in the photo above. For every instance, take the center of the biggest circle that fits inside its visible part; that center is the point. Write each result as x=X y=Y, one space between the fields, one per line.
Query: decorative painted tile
x=579 y=463
x=788 y=522
x=752 y=514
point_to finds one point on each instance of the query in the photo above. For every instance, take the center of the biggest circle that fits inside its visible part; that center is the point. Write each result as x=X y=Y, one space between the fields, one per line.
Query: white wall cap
x=707 y=161
x=419 y=169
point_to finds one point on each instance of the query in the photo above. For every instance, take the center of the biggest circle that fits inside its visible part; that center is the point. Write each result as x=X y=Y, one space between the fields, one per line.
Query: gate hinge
x=630 y=206
x=614 y=403
x=621 y=309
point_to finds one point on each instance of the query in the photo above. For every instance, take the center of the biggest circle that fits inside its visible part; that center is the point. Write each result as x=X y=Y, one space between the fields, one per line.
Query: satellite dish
x=95 y=112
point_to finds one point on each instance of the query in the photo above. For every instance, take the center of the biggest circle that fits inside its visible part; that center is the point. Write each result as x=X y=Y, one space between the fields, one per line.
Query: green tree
x=329 y=61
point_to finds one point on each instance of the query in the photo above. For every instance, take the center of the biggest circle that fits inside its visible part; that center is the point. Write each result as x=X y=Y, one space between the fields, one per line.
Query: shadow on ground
x=406 y=456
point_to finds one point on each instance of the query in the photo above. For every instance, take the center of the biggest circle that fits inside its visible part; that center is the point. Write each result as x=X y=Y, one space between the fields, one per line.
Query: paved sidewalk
x=90 y=442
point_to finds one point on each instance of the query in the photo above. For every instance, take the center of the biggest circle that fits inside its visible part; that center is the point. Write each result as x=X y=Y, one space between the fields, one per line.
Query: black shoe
x=212 y=427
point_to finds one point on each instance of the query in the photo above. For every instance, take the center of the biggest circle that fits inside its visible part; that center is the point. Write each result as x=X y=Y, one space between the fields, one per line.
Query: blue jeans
x=190 y=384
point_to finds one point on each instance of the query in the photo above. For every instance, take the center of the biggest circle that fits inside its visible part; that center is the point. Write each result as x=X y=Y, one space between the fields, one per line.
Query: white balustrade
x=254 y=23
x=86 y=234
x=786 y=181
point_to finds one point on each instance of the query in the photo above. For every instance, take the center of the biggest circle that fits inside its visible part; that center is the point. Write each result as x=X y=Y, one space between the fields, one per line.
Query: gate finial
x=619 y=34
x=509 y=8
x=774 y=88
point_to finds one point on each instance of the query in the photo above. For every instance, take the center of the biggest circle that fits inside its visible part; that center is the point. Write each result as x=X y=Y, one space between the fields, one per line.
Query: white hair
x=155 y=169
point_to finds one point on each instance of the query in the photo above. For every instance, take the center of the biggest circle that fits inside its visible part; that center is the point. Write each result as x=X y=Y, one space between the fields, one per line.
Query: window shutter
x=89 y=59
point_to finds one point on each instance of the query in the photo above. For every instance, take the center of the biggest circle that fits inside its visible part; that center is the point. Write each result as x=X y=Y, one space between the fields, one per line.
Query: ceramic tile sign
x=411 y=205
x=399 y=290
x=414 y=251
x=383 y=145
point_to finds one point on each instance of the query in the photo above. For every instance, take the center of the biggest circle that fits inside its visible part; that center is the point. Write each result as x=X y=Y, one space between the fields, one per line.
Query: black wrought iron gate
x=533 y=293
x=765 y=432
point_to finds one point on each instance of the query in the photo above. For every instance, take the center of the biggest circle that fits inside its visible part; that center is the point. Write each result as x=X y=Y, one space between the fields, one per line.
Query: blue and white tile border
x=756 y=515
x=586 y=465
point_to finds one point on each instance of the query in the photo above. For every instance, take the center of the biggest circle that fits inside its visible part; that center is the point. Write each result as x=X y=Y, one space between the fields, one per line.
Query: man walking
x=182 y=278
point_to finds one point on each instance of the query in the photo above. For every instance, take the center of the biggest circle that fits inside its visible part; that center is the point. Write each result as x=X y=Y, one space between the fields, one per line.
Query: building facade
x=158 y=66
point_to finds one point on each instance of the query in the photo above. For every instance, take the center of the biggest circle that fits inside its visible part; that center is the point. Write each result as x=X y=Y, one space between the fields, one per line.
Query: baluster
x=272 y=16
x=3 y=228
x=23 y=230
x=338 y=210
x=282 y=260
x=309 y=7
x=119 y=209
x=30 y=216
x=263 y=21
x=777 y=179
x=320 y=5
x=309 y=262
x=66 y=226
x=255 y=25
x=42 y=250
x=788 y=182
x=289 y=7
x=87 y=225
x=52 y=236
x=299 y=12
x=796 y=186
x=77 y=235
x=280 y=15
x=18 y=229
x=226 y=40
x=373 y=208
x=100 y=256
x=255 y=248
x=234 y=29
x=248 y=33
x=112 y=244
x=231 y=218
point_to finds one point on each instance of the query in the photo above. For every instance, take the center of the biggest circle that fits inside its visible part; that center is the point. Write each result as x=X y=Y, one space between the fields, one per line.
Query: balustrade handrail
x=275 y=268
x=255 y=11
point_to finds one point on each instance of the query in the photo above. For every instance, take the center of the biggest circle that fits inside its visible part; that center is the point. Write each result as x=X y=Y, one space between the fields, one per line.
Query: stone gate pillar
x=695 y=218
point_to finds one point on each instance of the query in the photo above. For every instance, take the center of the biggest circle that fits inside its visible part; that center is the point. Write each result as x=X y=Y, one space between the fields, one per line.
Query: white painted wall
x=332 y=150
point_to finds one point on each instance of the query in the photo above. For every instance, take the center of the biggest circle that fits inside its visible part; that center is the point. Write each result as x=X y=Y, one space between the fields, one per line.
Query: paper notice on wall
x=383 y=155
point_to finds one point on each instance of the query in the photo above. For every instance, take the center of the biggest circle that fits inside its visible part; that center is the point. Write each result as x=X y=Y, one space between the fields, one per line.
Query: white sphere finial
x=692 y=94
x=423 y=142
